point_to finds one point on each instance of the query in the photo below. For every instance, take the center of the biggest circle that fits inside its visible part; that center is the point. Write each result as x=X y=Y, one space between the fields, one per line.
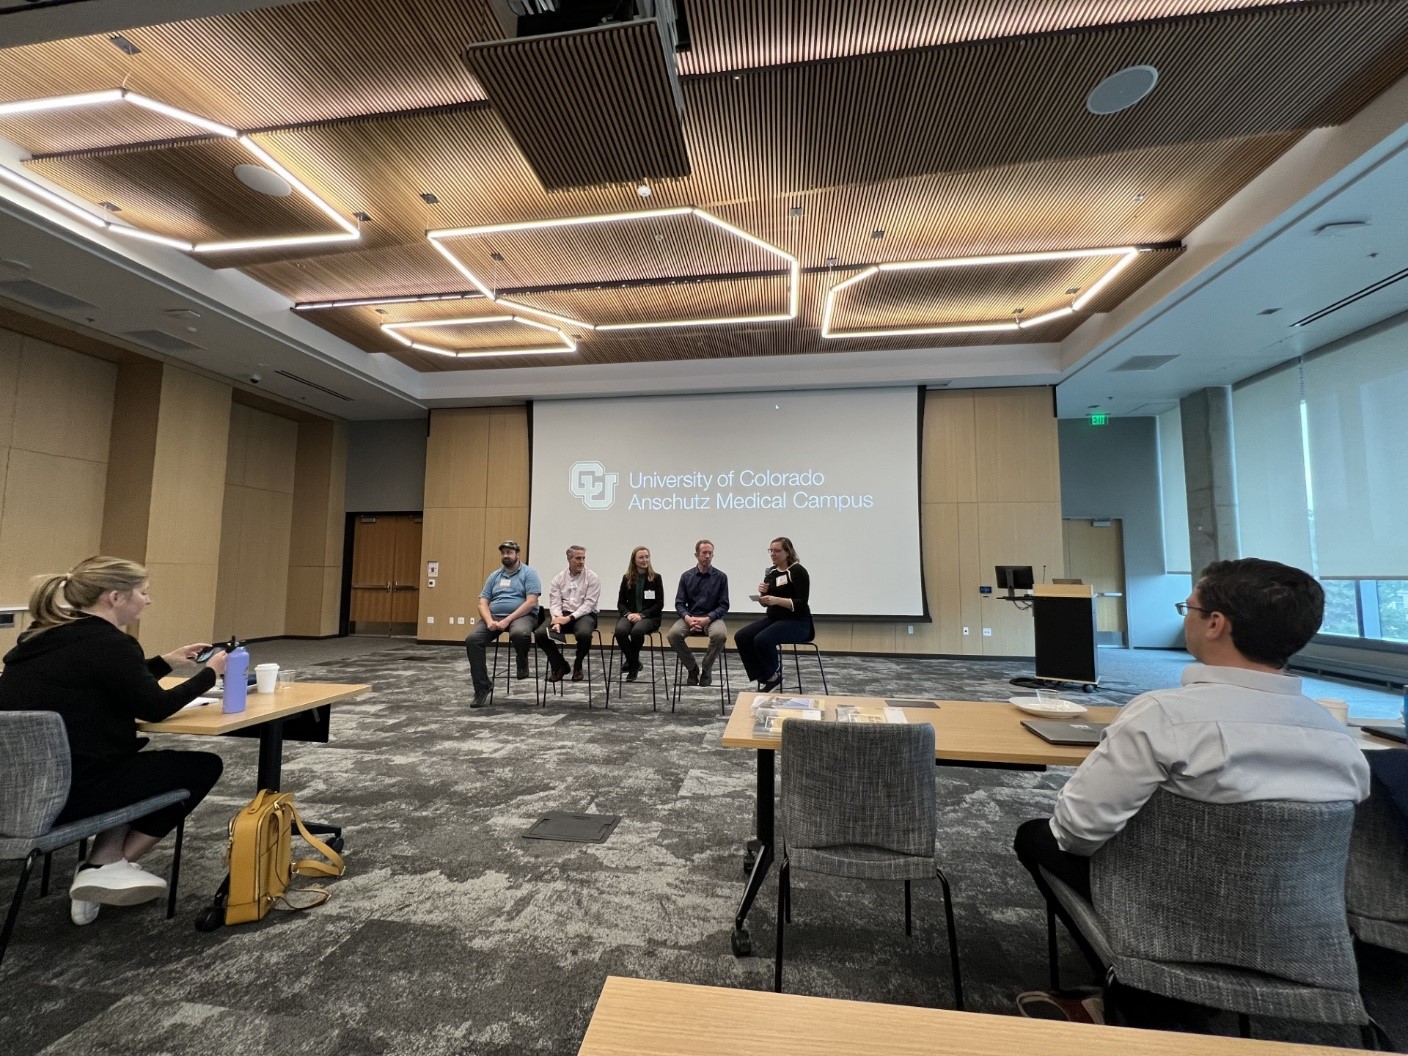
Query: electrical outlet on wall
x=430 y=619
x=987 y=632
x=909 y=629
x=966 y=632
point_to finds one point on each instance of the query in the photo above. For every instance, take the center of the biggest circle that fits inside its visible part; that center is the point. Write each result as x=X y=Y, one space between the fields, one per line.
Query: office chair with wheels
x=35 y=772
x=859 y=801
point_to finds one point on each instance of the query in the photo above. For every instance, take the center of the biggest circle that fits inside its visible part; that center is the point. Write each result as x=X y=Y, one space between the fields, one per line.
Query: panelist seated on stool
x=508 y=602
x=1238 y=730
x=574 y=595
x=701 y=603
x=640 y=601
x=784 y=593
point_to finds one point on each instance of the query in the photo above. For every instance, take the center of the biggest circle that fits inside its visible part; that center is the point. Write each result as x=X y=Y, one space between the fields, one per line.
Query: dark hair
x=1274 y=609
x=787 y=546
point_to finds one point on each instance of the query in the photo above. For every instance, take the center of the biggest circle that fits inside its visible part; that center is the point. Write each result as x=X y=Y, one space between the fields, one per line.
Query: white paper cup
x=266 y=677
x=1338 y=708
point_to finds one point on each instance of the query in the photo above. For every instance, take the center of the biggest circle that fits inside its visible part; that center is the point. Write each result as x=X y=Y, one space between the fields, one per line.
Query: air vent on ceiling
x=41 y=296
x=162 y=342
x=1357 y=295
x=313 y=385
x=1142 y=363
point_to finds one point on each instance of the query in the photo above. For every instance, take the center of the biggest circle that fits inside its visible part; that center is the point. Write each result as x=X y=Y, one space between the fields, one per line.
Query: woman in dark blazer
x=640 y=603
x=785 y=591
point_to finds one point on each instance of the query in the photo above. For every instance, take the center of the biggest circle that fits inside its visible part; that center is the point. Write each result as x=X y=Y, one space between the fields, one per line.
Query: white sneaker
x=81 y=912
x=121 y=883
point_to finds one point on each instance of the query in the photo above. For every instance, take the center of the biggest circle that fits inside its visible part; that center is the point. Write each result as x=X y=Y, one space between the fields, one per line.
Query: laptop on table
x=1085 y=734
x=1393 y=731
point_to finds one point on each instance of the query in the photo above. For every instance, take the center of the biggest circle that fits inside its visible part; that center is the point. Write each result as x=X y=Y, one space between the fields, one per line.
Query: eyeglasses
x=1182 y=607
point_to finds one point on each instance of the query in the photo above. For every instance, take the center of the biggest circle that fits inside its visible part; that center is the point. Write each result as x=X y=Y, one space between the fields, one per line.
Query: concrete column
x=1211 y=476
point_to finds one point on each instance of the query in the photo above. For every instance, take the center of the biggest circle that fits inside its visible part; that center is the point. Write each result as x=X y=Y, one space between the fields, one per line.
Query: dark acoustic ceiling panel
x=588 y=108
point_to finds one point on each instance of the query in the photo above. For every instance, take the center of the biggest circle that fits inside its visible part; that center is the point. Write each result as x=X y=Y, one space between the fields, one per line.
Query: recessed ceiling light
x=429 y=199
x=264 y=181
x=643 y=190
x=1122 y=89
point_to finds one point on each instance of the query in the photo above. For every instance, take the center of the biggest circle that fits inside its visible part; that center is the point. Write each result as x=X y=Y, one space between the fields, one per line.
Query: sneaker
x=81 y=912
x=480 y=700
x=706 y=679
x=693 y=679
x=121 y=883
x=1079 y=1005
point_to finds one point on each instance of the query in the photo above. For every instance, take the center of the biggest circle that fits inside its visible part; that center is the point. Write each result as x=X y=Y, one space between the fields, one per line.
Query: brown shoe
x=558 y=673
x=577 y=675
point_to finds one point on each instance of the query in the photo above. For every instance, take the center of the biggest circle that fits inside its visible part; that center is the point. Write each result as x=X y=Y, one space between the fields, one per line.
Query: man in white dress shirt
x=574 y=595
x=1238 y=730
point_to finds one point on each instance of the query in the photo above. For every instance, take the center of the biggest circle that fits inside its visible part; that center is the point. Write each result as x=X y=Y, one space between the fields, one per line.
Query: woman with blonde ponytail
x=77 y=659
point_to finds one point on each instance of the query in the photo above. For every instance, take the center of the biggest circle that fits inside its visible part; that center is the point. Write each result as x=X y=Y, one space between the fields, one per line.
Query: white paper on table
x=200 y=702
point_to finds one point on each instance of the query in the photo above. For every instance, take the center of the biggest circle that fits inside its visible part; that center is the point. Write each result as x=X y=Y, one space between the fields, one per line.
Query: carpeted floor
x=451 y=933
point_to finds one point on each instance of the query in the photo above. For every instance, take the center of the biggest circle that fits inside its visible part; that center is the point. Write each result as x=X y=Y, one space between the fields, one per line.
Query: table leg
x=271 y=755
x=742 y=941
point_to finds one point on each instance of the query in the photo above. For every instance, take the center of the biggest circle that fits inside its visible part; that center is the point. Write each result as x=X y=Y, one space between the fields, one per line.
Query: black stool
x=722 y=675
x=557 y=688
x=797 y=662
x=655 y=641
x=509 y=672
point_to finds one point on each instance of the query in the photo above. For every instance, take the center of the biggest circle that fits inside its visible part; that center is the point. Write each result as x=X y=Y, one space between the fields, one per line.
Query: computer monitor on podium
x=1013 y=578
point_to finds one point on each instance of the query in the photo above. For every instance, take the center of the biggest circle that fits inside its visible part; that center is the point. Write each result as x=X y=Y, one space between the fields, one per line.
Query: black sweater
x=798 y=588
x=94 y=676
x=651 y=608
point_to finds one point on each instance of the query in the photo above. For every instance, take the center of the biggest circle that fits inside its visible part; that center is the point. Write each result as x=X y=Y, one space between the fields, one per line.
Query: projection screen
x=835 y=471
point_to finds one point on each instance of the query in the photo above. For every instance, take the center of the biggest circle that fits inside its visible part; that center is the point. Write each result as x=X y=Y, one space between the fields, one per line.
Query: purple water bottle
x=236 y=687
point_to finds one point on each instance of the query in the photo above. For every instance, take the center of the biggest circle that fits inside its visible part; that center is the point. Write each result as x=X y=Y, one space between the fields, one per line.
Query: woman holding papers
x=784 y=591
x=640 y=603
x=76 y=659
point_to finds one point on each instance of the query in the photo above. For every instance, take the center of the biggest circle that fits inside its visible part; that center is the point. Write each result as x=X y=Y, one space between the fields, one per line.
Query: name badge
x=781 y=580
x=650 y=595
x=505 y=584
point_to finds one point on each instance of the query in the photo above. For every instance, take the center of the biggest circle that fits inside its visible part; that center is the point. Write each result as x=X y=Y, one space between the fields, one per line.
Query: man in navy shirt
x=508 y=602
x=701 y=602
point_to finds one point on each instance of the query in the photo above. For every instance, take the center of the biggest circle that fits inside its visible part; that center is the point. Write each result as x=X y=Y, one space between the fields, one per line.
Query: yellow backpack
x=261 y=859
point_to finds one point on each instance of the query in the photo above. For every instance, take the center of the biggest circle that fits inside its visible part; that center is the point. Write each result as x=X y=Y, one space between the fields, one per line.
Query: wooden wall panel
x=453 y=536
x=949 y=436
x=316 y=529
x=508 y=461
x=128 y=506
x=1017 y=452
x=457 y=459
x=10 y=343
x=64 y=402
x=1016 y=533
x=54 y=516
x=187 y=474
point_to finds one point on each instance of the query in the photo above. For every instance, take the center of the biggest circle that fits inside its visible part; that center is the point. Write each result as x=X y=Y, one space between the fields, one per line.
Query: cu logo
x=590 y=482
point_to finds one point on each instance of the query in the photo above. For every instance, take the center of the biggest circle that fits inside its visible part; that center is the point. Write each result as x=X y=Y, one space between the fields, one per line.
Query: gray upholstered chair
x=35 y=771
x=1237 y=907
x=859 y=801
x=1376 y=887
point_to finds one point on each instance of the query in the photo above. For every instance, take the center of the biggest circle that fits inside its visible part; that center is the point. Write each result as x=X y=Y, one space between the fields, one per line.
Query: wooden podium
x=1063 y=621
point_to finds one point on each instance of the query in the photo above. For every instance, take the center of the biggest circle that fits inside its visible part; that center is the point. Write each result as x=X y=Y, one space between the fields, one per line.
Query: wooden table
x=966 y=733
x=268 y=711
x=635 y=1017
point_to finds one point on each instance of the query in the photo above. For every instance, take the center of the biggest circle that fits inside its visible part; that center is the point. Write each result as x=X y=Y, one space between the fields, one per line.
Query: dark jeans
x=757 y=644
x=133 y=778
x=581 y=629
x=520 y=633
x=631 y=636
x=1036 y=848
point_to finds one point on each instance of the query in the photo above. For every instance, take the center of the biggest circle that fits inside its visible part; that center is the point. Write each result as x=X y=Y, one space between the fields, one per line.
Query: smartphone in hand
x=206 y=654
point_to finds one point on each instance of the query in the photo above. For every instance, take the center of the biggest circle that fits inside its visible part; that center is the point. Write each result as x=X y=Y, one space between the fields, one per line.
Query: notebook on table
x=1077 y=733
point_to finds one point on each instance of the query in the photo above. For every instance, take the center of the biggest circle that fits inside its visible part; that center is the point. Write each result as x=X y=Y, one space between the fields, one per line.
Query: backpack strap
x=334 y=866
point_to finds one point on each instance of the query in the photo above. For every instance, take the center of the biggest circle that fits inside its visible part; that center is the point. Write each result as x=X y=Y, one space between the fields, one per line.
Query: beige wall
x=476 y=495
x=252 y=592
x=991 y=495
x=56 y=409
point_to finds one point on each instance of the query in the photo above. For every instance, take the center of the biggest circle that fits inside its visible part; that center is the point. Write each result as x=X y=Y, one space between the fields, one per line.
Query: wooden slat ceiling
x=952 y=127
x=587 y=108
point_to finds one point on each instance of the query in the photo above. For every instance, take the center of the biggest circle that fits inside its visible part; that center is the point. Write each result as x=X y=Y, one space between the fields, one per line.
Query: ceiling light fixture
x=439 y=237
x=349 y=231
x=1126 y=255
x=263 y=181
x=643 y=189
x=1121 y=90
x=416 y=298
x=394 y=329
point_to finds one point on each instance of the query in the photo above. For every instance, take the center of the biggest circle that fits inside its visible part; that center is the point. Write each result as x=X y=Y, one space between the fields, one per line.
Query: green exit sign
x=1099 y=419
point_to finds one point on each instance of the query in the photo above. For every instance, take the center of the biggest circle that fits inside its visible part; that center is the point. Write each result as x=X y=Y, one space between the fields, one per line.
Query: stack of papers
x=770 y=713
x=870 y=714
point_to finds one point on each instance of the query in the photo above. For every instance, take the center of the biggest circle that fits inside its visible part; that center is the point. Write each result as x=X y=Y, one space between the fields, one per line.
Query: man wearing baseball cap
x=508 y=602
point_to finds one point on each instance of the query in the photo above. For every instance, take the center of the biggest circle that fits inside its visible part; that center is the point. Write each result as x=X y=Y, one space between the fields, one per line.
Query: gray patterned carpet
x=452 y=934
